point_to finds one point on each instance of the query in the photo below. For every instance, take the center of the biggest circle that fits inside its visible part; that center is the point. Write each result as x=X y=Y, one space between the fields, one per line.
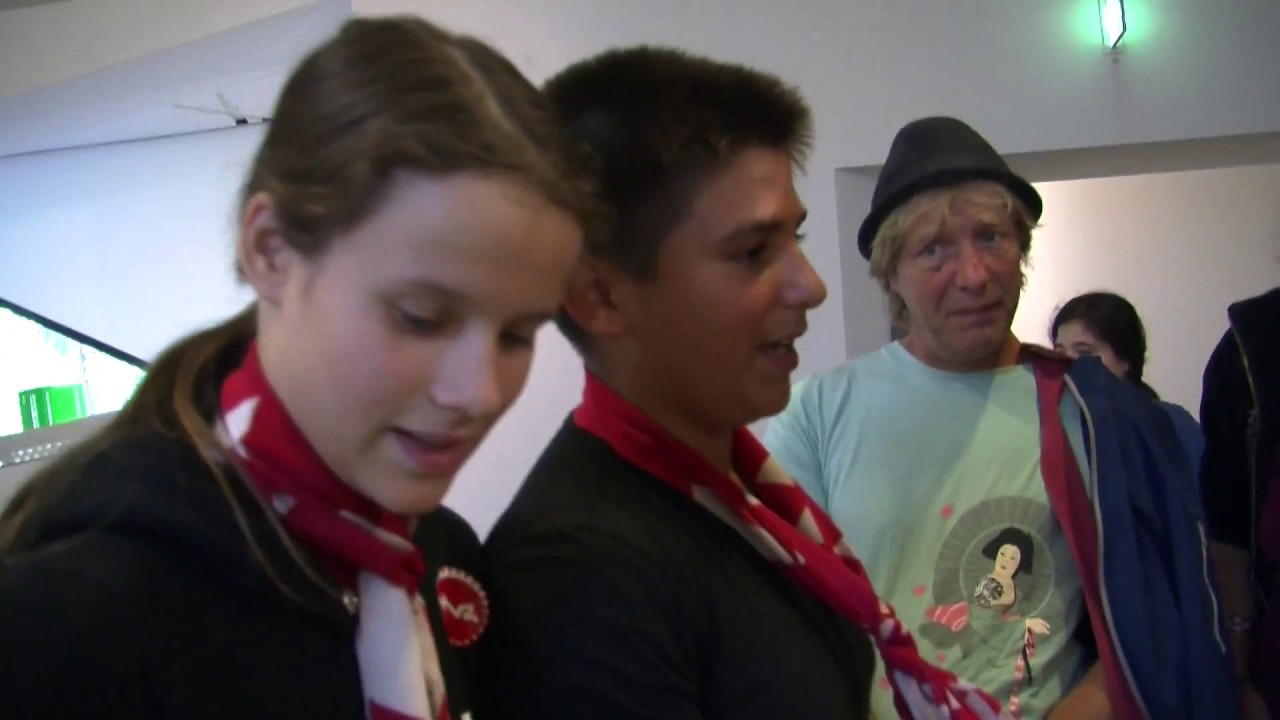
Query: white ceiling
x=138 y=98
x=15 y=4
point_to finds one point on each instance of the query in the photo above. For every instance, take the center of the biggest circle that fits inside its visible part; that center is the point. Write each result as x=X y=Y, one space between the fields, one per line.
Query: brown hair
x=886 y=247
x=382 y=96
x=658 y=122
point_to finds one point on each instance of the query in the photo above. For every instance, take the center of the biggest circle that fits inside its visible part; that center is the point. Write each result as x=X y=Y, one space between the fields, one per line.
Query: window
x=50 y=373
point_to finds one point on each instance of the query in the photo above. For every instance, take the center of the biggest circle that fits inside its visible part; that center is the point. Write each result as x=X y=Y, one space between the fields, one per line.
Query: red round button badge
x=464 y=606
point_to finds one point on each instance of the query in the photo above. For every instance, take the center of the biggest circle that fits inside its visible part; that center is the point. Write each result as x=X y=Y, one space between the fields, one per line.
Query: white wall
x=172 y=91
x=1181 y=246
x=44 y=44
x=128 y=243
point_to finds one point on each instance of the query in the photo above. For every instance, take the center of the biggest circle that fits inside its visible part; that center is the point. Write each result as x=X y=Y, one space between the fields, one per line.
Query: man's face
x=960 y=276
x=712 y=333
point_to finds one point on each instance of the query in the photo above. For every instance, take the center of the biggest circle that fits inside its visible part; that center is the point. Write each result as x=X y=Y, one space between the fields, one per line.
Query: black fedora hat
x=937 y=152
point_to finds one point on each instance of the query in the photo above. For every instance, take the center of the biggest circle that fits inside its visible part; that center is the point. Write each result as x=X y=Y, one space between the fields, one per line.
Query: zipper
x=1208 y=583
x=1097 y=519
x=1251 y=451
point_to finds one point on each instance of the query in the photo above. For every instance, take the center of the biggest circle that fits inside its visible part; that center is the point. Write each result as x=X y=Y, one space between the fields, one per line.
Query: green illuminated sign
x=1114 y=25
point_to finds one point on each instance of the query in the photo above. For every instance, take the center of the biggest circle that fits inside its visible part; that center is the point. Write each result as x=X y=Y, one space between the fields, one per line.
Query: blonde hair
x=383 y=95
x=989 y=200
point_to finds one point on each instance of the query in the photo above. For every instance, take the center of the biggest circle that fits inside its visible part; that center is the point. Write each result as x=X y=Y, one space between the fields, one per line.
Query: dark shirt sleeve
x=584 y=627
x=1225 y=404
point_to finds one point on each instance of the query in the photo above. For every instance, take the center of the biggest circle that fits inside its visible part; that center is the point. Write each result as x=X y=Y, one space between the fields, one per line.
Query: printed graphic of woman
x=988 y=629
x=1013 y=551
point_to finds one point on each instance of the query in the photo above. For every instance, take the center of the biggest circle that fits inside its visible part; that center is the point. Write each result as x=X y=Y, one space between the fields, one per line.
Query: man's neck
x=1006 y=356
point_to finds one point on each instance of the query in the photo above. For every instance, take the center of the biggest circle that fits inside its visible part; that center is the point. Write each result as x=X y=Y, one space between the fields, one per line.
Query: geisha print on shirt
x=1001 y=607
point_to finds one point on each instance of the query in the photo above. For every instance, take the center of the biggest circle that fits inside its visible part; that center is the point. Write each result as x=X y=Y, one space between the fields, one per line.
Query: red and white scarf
x=364 y=545
x=776 y=517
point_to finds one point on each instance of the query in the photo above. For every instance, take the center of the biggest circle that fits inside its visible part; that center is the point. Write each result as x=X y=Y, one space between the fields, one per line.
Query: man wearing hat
x=1031 y=520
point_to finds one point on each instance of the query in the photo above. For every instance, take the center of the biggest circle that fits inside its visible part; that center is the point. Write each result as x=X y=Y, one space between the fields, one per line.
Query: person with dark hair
x=1108 y=326
x=1240 y=481
x=656 y=564
x=958 y=432
x=259 y=532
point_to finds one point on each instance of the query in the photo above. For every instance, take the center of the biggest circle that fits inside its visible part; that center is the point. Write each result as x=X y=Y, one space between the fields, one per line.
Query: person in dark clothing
x=656 y=563
x=259 y=532
x=140 y=598
x=1240 y=478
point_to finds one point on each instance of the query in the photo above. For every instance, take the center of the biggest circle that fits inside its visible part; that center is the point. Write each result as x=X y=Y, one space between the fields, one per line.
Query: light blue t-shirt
x=934 y=478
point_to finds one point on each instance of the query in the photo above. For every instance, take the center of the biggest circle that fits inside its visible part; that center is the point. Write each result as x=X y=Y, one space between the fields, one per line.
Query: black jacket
x=1240 y=414
x=616 y=597
x=142 y=599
